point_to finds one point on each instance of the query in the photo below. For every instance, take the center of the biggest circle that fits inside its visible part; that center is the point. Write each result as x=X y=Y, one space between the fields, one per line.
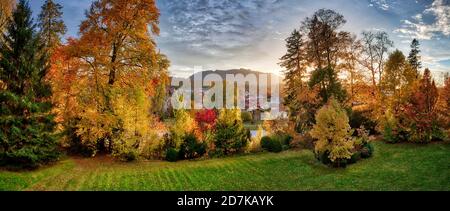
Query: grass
x=393 y=167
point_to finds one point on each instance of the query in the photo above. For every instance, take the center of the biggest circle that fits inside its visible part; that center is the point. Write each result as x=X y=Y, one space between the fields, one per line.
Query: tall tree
x=394 y=76
x=27 y=126
x=383 y=44
x=376 y=46
x=324 y=39
x=51 y=24
x=119 y=70
x=421 y=109
x=414 y=57
x=350 y=65
x=294 y=64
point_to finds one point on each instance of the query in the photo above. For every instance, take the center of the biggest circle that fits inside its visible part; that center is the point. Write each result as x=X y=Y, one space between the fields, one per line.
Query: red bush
x=206 y=119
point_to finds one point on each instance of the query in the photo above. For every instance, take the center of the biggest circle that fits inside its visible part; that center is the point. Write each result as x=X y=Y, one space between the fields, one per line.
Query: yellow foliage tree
x=333 y=132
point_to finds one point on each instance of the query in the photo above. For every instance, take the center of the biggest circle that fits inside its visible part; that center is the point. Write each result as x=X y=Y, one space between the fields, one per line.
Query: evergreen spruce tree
x=295 y=70
x=27 y=138
x=414 y=58
x=51 y=25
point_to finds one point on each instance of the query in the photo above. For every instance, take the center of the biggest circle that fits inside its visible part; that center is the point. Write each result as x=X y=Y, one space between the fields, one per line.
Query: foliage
x=206 y=119
x=6 y=10
x=420 y=112
x=255 y=142
x=329 y=86
x=414 y=57
x=271 y=144
x=360 y=118
x=191 y=148
x=51 y=25
x=390 y=129
x=172 y=155
x=106 y=77
x=398 y=73
x=333 y=132
x=247 y=117
x=231 y=135
x=27 y=132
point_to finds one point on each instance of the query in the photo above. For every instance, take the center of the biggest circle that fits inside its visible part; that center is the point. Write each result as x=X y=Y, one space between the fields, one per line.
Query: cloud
x=217 y=27
x=381 y=4
x=418 y=28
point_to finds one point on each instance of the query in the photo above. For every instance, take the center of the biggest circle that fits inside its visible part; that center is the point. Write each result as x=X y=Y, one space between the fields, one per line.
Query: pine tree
x=414 y=58
x=27 y=128
x=51 y=25
x=294 y=63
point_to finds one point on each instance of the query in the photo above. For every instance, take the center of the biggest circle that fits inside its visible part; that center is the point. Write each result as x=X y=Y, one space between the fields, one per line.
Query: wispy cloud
x=218 y=27
x=416 y=27
x=381 y=4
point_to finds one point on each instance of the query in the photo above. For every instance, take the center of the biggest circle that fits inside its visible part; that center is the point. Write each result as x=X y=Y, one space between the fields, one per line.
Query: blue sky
x=225 y=34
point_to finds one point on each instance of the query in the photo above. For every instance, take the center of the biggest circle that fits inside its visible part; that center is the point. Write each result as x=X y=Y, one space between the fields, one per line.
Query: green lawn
x=393 y=167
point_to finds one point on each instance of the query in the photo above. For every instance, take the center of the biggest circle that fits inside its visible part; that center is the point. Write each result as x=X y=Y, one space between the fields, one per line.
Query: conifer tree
x=27 y=127
x=414 y=58
x=295 y=69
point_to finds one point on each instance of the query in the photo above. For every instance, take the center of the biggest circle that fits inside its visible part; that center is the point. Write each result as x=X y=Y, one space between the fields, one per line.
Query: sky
x=230 y=34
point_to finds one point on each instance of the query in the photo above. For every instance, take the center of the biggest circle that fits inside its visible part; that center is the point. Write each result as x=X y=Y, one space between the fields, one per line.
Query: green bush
x=355 y=158
x=172 y=155
x=359 y=119
x=324 y=157
x=247 y=117
x=390 y=135
x=265 y=142
x=191 y=148
x=231 y=136
x=271 y=144
x=367 y=151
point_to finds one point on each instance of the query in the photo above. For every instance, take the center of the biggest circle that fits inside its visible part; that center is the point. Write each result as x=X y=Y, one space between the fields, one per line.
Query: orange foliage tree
x=104 y=78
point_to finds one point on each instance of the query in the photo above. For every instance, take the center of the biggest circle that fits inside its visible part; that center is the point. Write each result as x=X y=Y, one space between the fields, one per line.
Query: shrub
x=231 y=135
x=265 y=142
x=390 y=128
x=367 y=150
x=359 y=119
x=206 y=119
x=333 y=133
x=271 y=144
x=172 y=155
x=355 y=158
x=191 y=148
x=247 y=117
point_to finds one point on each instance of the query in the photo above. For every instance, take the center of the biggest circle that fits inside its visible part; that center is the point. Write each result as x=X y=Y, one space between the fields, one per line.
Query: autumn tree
x=444 y=105
x=420 y=112
x=333 y=133
x=323 y=43
x=321 y=46
x=398 y=73
x=376 y=45
x=119 y=71
x=51 y=25
x=414 y=57
x=27 y=136
x=351 y=68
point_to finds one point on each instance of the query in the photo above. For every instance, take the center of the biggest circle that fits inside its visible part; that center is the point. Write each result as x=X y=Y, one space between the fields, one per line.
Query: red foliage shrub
x=206 y=119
